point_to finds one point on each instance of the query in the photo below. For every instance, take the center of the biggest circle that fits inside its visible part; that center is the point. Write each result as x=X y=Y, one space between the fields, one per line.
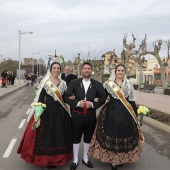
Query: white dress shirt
x=86 y=84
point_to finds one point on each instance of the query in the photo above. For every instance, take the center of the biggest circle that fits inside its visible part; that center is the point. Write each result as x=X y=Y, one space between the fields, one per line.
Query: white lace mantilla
x=127 y=90
x=62 y=87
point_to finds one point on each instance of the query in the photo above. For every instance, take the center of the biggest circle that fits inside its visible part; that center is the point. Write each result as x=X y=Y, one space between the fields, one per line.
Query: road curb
x=10 y=92
x=157 y=125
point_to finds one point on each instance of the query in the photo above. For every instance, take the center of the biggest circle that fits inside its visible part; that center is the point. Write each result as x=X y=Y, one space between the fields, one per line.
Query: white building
x=147 y=73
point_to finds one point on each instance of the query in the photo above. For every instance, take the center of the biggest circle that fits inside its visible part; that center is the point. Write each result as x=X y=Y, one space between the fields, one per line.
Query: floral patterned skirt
x=114 y=142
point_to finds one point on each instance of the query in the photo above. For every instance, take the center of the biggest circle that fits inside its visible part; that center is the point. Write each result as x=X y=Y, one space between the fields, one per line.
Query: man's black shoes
x=88 y=164
x=73 y=166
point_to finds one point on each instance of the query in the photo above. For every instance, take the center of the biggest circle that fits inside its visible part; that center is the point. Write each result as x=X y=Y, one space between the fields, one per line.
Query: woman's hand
x=96 y=99
x=72 y=97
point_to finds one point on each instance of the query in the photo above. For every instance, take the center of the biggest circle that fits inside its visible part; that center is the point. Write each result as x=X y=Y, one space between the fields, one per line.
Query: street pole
x=19 y=56
x=33 y=63
x=37 y=68
x=37 y=62
x=19 y=67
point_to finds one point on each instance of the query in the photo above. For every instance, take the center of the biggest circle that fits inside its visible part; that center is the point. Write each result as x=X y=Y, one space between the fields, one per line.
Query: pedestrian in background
x=67 y=76
x=12 y=78
x=32 y=79
x=4 y=78
x=9 y=78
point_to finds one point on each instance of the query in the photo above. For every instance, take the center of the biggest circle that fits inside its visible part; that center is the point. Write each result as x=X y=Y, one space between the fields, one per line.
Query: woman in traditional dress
x=50 y=144
x=117 y=136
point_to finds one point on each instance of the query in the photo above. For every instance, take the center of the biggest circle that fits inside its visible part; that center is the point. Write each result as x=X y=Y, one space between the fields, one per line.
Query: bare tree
x=162 y=62
x=76 y=65
x=128 y=51
x=139 y=59
x=98 y=69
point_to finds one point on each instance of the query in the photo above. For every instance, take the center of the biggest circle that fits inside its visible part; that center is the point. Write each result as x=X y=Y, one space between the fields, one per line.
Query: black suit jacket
x=68 y=78
x=95 y=90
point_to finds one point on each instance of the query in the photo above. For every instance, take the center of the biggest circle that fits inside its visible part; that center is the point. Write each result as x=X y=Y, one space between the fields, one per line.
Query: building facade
x=133 y=66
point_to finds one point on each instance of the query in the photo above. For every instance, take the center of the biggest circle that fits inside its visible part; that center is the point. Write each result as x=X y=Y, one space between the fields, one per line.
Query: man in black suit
x=66 y=76
x=83 y=110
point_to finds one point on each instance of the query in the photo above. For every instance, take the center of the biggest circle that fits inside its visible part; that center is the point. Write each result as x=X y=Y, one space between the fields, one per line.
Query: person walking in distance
x=83 y=110
x=12 y=78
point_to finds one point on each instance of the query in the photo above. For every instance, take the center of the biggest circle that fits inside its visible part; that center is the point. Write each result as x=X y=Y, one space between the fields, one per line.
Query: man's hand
x=82 y=103
x=88 y=104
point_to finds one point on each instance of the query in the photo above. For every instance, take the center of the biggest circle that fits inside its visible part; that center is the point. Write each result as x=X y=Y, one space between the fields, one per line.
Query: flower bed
x=159 y=116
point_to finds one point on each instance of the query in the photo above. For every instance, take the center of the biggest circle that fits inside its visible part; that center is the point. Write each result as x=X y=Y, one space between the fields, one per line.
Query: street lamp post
x=37 y=68
x=1 y=61
x=20 y=52
x=33 y=62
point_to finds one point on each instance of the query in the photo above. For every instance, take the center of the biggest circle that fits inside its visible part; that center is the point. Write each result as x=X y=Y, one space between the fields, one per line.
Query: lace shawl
x=127 y=90
x=61 y=88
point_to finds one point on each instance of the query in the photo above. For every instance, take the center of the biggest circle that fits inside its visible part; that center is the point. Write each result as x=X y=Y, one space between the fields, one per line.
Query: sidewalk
x=10 y=88
x=155 y=101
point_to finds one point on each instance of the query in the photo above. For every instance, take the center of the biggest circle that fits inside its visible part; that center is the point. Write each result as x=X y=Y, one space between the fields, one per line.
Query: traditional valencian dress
x=51 y=143
x=117 y=136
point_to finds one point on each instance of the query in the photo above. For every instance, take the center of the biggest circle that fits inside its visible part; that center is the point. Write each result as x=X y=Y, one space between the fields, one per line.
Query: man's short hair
x=87 y=63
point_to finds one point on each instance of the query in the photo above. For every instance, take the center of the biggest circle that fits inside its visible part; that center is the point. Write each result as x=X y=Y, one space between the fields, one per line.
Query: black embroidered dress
x=51 y=143
x=116 y=138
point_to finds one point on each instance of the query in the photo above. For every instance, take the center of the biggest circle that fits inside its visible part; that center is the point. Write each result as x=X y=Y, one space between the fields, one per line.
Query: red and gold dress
x=51 y=143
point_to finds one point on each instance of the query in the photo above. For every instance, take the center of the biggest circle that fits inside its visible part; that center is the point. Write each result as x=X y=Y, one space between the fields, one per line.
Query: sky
x=89 y=27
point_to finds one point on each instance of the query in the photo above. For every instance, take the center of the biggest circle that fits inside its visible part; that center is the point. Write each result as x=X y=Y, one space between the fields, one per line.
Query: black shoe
x=73 y=166
x=88 y=164
x=51 y=167
x=120 y=165
x=114 y=167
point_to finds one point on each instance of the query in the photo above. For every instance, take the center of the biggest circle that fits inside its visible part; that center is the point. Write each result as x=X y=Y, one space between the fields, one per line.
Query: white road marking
x=21 y=124
x=9 y=149
x=28 y=111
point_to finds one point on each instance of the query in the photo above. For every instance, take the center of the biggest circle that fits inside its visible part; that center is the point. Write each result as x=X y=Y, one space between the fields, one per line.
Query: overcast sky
x=73 y=26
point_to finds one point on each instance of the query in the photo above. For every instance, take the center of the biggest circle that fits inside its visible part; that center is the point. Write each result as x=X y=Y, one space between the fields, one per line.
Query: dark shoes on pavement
x=114 y=167
x=51 y=167
x=74 y=166
x=88 y=164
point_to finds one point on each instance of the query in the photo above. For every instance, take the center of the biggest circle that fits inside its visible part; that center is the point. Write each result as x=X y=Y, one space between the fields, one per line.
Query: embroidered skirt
x=116 y=138
x=51 y=143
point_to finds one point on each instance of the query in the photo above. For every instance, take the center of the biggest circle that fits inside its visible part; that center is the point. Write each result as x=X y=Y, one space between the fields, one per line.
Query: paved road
x=155 y=156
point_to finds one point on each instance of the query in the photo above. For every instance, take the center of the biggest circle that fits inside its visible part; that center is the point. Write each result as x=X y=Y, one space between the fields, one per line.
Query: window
x=157 y=77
